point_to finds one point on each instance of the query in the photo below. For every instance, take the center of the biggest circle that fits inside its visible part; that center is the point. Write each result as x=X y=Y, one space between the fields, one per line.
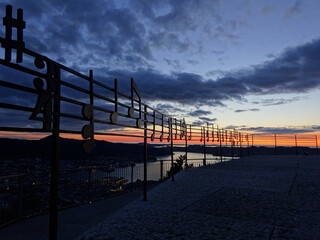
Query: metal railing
x=53 y=99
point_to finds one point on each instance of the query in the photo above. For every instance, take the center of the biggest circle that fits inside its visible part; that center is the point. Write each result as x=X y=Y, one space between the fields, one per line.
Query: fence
x=43 y=96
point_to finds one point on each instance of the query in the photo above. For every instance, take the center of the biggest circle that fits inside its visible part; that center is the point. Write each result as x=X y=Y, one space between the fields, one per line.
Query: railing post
x=54 y=180
x=317 y=145
x=220 y=145
x=186 y=148
x=171 y=132
x=204 y=147
x=145 y=155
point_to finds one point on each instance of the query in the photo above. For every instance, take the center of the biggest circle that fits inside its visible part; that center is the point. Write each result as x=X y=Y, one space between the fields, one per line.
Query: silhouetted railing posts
x=317 y=145
x=54 y=180
x=220 y=145
x=275 y=144
x=204 y=147
x=186 y=147
x=171 y=137
x=145 y=155
x=295 y=139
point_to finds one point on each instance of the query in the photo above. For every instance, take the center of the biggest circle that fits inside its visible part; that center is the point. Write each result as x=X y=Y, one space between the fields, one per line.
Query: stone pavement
x=261 y=197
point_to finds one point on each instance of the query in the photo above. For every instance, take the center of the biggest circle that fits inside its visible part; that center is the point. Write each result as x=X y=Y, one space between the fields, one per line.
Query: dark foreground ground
x=73 y=221
x=252 y=198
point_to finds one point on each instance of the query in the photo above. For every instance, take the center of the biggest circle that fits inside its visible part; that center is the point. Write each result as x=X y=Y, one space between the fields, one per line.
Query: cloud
x=175 y=64
x=206 y=119
x=118 y=43
x=294 y=9
x=283 y=130
x=276 y=101
x=198 y=113
x=247 y=110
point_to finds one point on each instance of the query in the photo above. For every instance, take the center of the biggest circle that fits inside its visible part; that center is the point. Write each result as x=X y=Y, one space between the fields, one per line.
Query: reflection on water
x=154 y=168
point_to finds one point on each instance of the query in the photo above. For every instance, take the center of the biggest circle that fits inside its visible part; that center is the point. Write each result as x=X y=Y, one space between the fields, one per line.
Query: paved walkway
x=71 y=222
x=252 y=198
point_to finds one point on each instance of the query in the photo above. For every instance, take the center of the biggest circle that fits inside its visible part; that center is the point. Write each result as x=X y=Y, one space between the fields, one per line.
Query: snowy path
x=252 y=198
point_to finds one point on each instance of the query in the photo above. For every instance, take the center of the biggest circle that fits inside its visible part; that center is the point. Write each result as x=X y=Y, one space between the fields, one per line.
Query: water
x=153 y=168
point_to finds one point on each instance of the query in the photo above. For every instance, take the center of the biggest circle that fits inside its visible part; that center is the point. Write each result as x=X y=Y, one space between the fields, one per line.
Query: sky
x=250 y=65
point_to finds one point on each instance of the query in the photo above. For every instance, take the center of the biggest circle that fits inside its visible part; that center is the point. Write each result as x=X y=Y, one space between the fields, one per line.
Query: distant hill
x=71 y=149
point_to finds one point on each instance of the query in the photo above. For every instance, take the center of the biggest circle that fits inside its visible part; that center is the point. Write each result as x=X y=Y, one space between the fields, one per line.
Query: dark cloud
x=175 y=64
x=198 y=113
x=206 y=119
x=118 y=44
x=247 y=110
x=198 y=123
x=282 y=130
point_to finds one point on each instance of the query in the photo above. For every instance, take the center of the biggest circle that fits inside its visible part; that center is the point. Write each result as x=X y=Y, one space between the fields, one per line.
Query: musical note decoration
x=44 y=100
x=114 y=115
x=134 y=89
x=190 y=136
x=8 y=43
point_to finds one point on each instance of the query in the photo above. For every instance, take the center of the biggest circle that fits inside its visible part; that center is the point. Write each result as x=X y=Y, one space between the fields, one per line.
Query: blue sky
x=238 y=62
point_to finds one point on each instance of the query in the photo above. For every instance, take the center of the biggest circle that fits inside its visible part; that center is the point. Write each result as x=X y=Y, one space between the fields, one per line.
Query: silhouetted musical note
x=134 y=89
x=201 y=135
x=190 y=136
x=114 y=115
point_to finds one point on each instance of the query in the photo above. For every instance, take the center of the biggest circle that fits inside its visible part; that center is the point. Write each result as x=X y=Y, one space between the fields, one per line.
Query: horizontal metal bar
x=18 y=87
x=70 y=85
x=21 y=68
x=19 y=129
x=16 y=107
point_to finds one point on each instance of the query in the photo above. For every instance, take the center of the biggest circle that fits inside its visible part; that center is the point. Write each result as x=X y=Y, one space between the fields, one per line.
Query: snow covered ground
x=273 y=197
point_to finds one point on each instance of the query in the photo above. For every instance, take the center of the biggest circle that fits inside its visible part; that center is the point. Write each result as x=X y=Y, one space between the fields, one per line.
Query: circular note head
x=39 y=62
x=189 y=138
x=87 y=131
x=207 y=139
x=161 y=138
x=152 y=137
x=200 y=139
x=113 y=117
x=131 y=112
x=38 y=83
x=87 y=110
x=139 y=123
